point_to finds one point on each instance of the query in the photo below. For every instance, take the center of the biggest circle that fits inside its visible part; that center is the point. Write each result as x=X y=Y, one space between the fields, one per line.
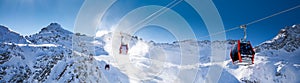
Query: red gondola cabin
x=242 y=53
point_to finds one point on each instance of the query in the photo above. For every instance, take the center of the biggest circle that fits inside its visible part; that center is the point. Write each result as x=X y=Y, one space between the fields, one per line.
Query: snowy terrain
x=57 y=55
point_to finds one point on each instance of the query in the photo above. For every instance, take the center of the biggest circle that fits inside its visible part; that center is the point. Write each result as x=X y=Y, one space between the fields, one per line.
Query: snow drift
x=57 y=55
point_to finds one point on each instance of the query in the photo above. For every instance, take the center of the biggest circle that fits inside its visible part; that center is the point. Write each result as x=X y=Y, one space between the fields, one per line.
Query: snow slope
x=47 y=58
x=53 y=34
x=58 y=55
x=276 y=61
x=9 y=36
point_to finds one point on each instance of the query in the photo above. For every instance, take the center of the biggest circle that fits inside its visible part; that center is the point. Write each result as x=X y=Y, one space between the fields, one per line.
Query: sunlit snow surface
x=64 y=57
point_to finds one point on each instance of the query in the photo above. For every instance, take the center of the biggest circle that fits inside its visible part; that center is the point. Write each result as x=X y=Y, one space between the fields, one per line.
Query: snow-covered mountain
x=9 y=36
x=53 y=34
x=288 y=39
x=278 y=60
x=57 y=55
x=48 y=57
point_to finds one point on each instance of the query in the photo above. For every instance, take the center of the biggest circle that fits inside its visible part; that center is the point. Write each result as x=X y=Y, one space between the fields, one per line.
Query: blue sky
x=29 y=16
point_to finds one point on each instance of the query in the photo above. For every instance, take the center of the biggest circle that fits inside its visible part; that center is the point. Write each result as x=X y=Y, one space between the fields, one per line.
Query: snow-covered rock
x=275 y=59
x=287 y=39
x=46 y=64
x=52 y=34
x=49 y=58
x=57 y=55
x=9 y=36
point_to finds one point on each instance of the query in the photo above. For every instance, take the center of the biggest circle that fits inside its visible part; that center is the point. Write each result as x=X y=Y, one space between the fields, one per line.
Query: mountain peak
x=286 y=39
x=54 y=27
x=52 y=34
x=288 y=32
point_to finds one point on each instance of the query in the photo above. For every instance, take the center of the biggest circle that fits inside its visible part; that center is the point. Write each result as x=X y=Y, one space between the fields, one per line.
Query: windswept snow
x=270 y=65
x=58 y=55
x=34 y=45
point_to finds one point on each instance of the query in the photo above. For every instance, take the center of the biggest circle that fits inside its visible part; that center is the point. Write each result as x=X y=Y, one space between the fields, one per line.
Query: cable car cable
x=253 y=22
